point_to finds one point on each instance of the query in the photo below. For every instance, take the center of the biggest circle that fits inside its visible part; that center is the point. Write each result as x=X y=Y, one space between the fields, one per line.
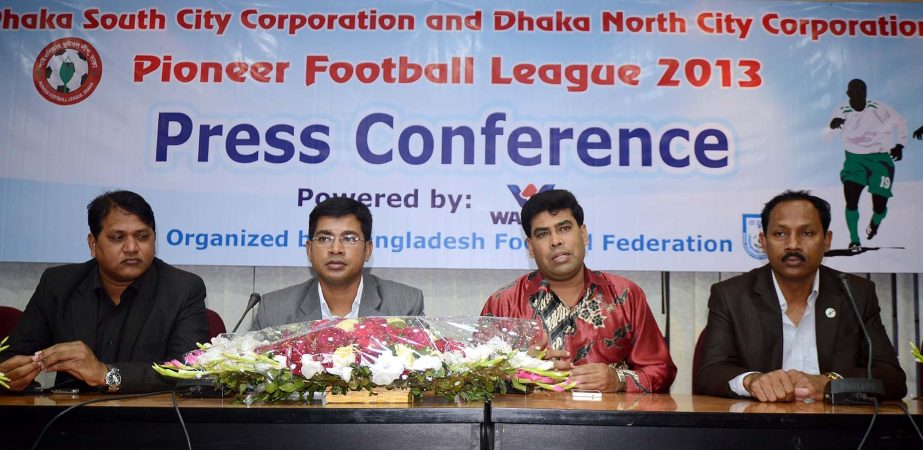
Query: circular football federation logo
x=67 y=71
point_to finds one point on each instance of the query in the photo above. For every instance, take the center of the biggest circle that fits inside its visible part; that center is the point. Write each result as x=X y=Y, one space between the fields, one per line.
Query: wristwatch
x=113 y=380
x=620 y=375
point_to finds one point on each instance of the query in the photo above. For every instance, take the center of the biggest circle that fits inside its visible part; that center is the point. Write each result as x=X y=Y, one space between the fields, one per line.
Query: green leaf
x=916 y=352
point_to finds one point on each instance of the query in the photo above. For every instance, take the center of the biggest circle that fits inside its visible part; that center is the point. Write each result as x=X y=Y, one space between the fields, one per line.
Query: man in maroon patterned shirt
x=598 y=325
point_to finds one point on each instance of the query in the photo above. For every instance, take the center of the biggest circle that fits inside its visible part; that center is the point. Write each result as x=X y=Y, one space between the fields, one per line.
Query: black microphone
x=254 y=299
x=855 y=391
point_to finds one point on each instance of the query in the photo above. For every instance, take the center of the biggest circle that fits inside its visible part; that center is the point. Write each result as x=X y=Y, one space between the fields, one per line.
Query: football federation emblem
x=67 y=71
x=752 y=226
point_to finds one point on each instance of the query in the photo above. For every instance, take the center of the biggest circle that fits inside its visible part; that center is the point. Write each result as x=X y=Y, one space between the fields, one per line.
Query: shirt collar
x=591 y=278
x=96 y=285
x=812 y=297
x=354 y=309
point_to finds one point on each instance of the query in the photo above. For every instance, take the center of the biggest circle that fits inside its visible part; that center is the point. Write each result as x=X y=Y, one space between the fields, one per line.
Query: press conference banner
x=672 y=122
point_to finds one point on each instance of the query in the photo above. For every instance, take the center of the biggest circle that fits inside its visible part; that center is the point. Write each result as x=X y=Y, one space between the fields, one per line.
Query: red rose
x=448 y=345
x=416 y=337
x=329 y=339
x=394 y=334
x=365 y=338
x=375 y=322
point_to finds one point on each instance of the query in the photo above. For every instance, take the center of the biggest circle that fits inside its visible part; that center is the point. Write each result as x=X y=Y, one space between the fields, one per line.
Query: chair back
x=215 y=324
x=9 y=316
x=697 y=359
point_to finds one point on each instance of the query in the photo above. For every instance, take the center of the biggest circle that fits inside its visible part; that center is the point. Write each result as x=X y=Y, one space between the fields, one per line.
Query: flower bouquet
x=471 y=358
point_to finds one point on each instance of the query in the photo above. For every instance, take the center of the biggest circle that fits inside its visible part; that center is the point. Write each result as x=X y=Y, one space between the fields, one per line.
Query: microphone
x=254 y=299
x=855 y=391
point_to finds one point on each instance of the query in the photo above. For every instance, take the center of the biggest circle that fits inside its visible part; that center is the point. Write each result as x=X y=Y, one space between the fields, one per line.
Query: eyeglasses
x=326 y=240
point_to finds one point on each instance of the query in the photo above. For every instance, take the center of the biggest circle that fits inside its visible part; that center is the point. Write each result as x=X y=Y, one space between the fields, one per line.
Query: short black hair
x=340 y=207
x=857 y=85
x=553 y=200
x=127 y=201
x=823 y=208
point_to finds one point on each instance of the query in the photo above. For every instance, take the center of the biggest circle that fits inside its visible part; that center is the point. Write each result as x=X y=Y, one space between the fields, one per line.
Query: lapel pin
x=831 y=313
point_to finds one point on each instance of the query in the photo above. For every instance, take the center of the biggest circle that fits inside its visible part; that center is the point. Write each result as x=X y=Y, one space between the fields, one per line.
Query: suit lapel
x=84 y=307
x=770 y=317
x=370 y=301
x=828 y=299
x=309 y=308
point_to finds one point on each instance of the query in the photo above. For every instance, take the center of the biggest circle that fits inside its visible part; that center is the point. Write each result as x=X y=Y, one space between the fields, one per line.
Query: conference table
x=538 y=420
x=692 y=421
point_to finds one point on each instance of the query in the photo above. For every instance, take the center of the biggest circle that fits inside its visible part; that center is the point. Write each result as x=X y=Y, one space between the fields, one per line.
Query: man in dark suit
x=102 y=323
x=780 y=332
x=341 y=243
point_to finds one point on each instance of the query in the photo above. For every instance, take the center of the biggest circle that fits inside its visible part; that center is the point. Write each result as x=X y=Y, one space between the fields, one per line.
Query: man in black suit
x=103 y=323
x=780 y=332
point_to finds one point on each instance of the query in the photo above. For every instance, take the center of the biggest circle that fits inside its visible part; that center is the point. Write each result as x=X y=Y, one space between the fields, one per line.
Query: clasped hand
x=591 y=376
x=74 y=358
x=785 y=386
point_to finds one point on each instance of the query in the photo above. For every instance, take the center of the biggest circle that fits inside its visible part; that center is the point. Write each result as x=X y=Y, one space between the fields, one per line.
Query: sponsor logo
x=752 y=226
x=521 y=195
x=67 y=71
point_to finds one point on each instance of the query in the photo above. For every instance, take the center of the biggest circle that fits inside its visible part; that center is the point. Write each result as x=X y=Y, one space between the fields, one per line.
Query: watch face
x=113 y=378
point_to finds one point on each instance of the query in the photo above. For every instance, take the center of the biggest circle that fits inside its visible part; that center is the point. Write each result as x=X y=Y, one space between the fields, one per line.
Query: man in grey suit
x=340 y=244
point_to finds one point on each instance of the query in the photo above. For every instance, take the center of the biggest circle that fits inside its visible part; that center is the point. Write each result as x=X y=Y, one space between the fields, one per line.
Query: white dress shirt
x=799 y=343
x=325 y=310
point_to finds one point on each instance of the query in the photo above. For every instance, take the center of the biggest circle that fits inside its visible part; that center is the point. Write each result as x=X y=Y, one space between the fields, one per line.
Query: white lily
x=310 y=367
x=386 y=368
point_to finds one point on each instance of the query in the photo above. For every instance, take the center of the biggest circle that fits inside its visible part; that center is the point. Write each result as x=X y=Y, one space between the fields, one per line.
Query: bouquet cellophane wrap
x=471 y=358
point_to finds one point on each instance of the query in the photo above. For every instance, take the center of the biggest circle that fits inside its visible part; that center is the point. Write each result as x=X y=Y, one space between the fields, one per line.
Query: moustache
x=794 y=255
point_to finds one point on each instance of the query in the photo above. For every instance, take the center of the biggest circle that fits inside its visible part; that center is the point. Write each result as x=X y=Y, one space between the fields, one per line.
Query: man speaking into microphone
x=781 y=332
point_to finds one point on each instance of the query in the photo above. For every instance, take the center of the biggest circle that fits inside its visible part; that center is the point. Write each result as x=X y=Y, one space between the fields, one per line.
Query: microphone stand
x=855 y=391
x=254 y=299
